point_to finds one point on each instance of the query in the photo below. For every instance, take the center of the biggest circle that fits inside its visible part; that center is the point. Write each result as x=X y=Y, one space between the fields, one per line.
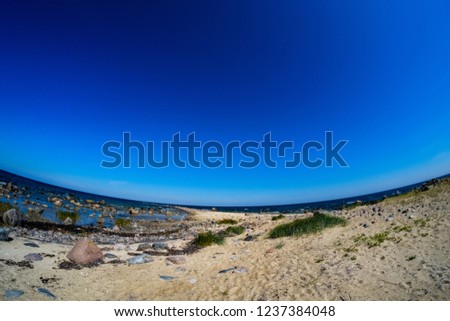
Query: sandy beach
x=398 y=249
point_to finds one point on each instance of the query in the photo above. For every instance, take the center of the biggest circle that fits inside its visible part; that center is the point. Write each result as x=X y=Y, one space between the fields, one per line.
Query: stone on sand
x=178 y=260
x=84 y=252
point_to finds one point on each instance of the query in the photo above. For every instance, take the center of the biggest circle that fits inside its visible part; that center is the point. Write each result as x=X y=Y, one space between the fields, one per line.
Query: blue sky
x=77 y=74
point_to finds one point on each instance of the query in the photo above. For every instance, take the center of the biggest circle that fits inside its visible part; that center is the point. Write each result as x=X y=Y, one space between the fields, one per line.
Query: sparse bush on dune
x=307 y=225
x=209 y=238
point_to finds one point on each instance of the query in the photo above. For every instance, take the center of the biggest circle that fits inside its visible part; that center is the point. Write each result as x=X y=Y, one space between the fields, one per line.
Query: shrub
x=308 y=225
x=209 y=238
x=123 y=222
x=278 y=217
x=227 y=221
x=234 y=230
x=63 y=215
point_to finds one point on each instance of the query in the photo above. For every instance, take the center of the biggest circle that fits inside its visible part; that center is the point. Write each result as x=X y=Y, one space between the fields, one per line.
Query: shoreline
x=410 y=262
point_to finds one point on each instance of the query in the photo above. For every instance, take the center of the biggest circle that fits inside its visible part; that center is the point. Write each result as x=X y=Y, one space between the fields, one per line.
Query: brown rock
x=177 y=260
x=84 y=252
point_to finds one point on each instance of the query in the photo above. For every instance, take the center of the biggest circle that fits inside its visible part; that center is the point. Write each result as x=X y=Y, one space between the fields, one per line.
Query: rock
x=143 y=247
x=271 y=250
x=12 y=294
x=192 y=280
x=110 y=256
x=30 y=244
x=4 y=234
x=178 y=260
x=58 y=203
x=46 y=293
x=250 y=238
x=140 y=259
x=84 y=252
x=411 y=217
x=120 y=247
x=33 y=257
x=159 y=246
x=11 y=217
x=365 y=225
x=240 y=269
x=167 y=278
x=227 y=270
x=133 y=211
x=68 y=221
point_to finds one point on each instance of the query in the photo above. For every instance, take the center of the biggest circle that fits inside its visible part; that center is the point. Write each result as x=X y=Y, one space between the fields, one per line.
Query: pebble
x=143 y=247
x=46 y=293
x=227 y=270
x=140 y=259
x=110 y=256
x=178 y=260
x=12 y=294
x=120 y=247
x=31 y=244
x=365 y=225
x=250 y=238
x=158 y=246
x=237 y=269
x=33 y=257
x=240 y=269
x=167 y=278
x=192 y=280
x=4 y=234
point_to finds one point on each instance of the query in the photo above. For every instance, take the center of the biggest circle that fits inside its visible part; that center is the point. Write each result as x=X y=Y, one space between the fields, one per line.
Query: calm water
x=39 y=192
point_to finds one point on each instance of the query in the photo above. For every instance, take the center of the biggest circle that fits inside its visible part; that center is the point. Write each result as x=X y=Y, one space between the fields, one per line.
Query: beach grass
x=4 y=207
x=63 y=215
x=123 y=222
x=234 y=230
x=278 y=217
x=307 y=225
x=209 y=238
x=227 y=221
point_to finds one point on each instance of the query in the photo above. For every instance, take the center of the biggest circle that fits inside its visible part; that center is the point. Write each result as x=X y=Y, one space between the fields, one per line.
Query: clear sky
x=75 y=74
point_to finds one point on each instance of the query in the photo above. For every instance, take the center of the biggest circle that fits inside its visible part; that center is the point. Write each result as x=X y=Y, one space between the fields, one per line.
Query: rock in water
x=11 y=217
x=46 y=293
x=140 y=259
x=177 y=260
x=12 y=294
x=84 y=252
x=33 y=257
x=4 y=234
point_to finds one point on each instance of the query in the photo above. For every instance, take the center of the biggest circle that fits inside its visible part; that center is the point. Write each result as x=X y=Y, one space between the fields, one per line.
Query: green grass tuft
x=63 y=215
x=123 y=222
x=278 y=217
x=405 y=228
x=227 y=221
x=279 y=245
x=234 y=230
x=4 y=207
x=307 y=225
x=209 y=238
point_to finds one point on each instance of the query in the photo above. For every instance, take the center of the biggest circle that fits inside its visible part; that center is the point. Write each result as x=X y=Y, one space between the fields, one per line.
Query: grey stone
x=178 y=260
x=13 y=293
x=4 y=234
x=46 y=293
x=159 y=246
x=143 y=247
x=140 y=259
x=33 y=257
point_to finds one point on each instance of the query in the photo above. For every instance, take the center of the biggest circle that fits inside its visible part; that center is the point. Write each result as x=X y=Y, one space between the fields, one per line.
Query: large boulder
x=85 y=252
x=11 y=217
